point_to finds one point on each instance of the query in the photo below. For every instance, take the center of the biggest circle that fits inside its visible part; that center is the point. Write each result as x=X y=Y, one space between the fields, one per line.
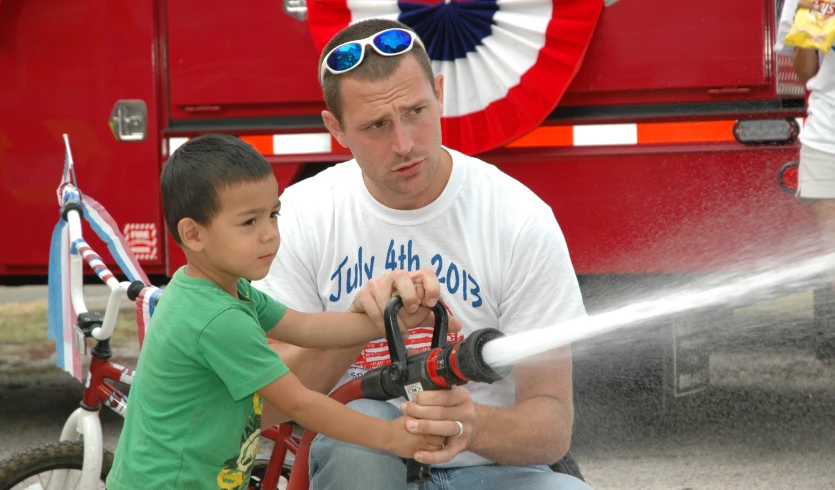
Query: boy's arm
x=327 y=416
x=364 y=322
x=323 y=330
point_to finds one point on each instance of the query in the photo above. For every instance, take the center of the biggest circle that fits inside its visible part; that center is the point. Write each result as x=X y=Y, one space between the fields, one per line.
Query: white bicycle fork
x=82 y=424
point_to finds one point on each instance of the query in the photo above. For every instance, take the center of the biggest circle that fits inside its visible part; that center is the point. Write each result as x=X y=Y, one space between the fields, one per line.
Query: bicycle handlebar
x=81 y=247
x=80 y=251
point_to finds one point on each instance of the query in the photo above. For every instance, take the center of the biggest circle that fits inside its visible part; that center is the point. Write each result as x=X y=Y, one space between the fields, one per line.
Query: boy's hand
x=406 y=444
x=419 y=290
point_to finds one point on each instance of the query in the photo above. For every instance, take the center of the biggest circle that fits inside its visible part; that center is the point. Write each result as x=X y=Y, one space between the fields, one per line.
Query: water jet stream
x=513 y=349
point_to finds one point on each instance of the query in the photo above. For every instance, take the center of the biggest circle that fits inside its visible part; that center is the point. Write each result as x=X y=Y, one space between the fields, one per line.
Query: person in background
x=816 y=179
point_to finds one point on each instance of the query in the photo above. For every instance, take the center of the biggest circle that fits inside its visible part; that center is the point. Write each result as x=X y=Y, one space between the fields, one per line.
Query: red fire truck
x=661 y=158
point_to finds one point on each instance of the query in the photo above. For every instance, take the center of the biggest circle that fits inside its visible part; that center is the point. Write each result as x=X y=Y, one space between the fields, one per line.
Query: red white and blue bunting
x=506 y=63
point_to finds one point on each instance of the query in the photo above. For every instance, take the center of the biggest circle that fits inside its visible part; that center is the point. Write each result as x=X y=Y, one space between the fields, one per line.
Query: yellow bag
x=814 y=30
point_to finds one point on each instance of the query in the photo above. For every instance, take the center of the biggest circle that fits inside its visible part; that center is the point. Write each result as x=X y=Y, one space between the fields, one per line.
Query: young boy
x=195 y=406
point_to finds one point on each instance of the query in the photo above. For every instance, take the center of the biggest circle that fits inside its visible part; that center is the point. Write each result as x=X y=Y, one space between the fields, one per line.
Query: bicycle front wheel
x=32 y=469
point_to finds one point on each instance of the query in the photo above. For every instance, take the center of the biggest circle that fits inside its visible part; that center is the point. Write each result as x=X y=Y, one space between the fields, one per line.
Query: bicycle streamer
x=61 y=316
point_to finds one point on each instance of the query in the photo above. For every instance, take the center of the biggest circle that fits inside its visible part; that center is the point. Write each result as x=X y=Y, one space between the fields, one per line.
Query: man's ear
x=439 y=89
x=192 y=234
x=332 y=123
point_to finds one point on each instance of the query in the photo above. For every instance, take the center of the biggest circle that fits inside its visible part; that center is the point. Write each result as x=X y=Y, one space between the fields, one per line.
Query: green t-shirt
x=194 y=416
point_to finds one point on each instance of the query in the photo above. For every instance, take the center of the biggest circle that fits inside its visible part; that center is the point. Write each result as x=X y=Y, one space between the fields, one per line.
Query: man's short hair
x=199 y=169
x=374 y=67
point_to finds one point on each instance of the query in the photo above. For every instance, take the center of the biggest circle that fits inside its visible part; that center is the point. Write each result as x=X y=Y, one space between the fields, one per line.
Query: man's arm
x=538 y=429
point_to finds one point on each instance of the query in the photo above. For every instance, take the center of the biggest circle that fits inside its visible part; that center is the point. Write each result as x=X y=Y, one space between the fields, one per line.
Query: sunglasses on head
x=347 y=56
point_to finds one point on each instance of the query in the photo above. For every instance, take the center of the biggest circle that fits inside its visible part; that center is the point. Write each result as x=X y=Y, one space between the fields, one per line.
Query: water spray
x=510 y=350
x=486 y=355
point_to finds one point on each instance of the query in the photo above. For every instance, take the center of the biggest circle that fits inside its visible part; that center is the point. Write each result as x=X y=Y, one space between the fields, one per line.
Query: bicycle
x=80 y=446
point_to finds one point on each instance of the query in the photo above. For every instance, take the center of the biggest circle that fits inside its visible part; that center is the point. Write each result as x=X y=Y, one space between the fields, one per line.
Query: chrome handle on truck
x=296 y=8
x=129 y=120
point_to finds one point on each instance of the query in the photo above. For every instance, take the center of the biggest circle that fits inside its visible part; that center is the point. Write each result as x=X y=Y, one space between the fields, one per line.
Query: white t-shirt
x=819 y=130
x=496 y=247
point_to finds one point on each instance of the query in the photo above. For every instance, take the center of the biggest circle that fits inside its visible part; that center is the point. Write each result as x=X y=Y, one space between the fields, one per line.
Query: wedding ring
x=460 y=430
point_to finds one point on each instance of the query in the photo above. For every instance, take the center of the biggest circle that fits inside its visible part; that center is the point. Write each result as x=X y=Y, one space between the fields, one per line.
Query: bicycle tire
x=64 y=455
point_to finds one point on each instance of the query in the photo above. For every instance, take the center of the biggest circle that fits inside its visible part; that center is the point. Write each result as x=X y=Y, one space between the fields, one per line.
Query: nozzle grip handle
x=397 y=348
x=415 y=472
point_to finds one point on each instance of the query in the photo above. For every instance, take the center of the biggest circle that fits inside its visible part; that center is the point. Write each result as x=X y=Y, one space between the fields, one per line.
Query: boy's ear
x=332 y=123
x=191 y=234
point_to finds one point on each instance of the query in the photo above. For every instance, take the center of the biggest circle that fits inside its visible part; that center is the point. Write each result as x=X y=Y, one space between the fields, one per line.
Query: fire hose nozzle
x=470 y=361
x=441 y=367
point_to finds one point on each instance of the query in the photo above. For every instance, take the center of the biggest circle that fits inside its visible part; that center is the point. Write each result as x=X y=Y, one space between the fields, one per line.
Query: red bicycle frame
x=98 y=392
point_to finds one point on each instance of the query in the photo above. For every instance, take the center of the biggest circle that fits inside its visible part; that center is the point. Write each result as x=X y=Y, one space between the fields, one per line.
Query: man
x=406 y=202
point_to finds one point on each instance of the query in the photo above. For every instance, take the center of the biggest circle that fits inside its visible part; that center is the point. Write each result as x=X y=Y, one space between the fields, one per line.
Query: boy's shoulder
x=191 y=304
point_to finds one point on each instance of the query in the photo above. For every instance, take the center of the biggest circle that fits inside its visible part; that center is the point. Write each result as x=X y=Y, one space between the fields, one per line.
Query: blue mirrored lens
x=393 y=42
x=345 y=57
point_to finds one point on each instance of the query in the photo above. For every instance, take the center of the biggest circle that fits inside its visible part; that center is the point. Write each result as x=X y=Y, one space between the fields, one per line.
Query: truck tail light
x=787 y=177
x=766 y=131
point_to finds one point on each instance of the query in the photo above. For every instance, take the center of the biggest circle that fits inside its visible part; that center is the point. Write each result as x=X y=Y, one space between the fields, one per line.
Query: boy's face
x=242 y=240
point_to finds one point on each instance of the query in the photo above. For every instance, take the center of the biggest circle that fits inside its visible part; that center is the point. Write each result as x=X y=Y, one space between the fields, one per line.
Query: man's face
x=393 y=128
x=243 y=239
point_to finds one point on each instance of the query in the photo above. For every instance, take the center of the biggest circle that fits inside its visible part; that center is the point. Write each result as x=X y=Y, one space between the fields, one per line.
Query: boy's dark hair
x=373 y=67
x=201 y=167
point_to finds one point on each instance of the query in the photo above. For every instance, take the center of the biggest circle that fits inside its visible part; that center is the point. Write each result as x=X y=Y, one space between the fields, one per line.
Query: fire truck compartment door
x=655 y=50
x=228 y=59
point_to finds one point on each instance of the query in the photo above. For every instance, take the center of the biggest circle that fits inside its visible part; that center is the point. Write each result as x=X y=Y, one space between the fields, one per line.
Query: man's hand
x=419 y=290
x=438 y=413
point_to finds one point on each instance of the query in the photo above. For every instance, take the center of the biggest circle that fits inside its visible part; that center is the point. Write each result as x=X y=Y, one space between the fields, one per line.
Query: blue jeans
x=339 y=465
